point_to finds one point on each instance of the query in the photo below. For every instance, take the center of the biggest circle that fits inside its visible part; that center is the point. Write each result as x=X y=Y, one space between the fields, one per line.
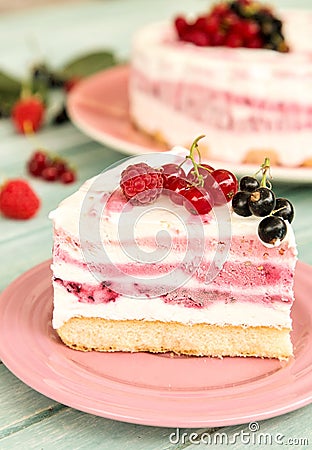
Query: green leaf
x=9 y=84
x=88 y=64
x=10 y=90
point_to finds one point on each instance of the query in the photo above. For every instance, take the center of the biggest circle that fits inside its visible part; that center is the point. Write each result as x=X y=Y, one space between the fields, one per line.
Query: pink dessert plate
x=149 y=389
x=99 y=107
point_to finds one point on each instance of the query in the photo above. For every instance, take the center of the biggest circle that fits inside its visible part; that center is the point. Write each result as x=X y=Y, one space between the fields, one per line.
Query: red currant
x=61 y=166
x=171 y=170
x=228 y=185
x=255 y=42
x=233 y=40
x=204 y=170
x=249 y=29
x=212 y=25
x=49 y=173
x=37 y=163
x=196 y=200
x=176 y=185
x=68 y=176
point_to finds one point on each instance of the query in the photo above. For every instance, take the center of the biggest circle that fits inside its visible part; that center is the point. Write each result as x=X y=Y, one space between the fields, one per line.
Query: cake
x=249 y=102
x=158 y=274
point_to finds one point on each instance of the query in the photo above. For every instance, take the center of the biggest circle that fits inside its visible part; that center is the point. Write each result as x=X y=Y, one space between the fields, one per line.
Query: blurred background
x=11 y=5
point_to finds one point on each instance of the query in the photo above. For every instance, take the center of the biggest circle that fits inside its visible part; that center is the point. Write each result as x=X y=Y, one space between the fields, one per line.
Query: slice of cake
x=220 y=73
x=160 y=262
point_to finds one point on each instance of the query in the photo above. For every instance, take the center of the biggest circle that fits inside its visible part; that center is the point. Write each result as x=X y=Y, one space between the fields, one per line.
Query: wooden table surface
x=29 y=420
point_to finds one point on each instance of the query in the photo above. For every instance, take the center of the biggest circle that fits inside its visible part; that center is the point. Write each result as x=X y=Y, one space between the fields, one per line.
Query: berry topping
x=197 y=200
x=27 y=114
x=202 y=188
x=220 y=184
x=240 y=204
x=176 y=186
x=234 y=23
x=272 y=229
x=261 y=201
x=18 y=200
x=141 y=184
x=204 y=170
x=169 y=172
x=283 y=208
x=228 y=185
x=248 y=184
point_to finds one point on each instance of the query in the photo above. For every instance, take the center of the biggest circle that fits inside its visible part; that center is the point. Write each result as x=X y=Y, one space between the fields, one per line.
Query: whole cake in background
x=241 y=73
x=222 y=285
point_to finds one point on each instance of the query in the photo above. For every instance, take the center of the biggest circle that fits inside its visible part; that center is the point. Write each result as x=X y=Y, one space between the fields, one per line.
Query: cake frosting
x=248 y=102
x=100 y=276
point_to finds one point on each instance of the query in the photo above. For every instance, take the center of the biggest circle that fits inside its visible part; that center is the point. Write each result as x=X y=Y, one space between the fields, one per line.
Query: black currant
x=240 y=203
x=283 y=208
x=262 y=202
x=272 y=229
x=249 y=184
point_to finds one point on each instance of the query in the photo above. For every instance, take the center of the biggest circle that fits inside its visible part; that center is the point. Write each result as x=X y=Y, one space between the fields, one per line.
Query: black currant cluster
x=255 y=198
x=271 y=27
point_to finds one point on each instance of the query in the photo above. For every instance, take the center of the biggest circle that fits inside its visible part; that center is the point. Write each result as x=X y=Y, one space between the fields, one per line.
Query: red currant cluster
x=41 y=164
x=256 y=198
x=236 y=23
x=198 y=191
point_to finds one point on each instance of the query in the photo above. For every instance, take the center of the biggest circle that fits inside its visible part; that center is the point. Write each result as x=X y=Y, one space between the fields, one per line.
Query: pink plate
x=159 y=390
x=99 y=107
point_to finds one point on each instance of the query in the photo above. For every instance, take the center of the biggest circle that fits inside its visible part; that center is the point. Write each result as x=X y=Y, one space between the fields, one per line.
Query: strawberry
x=18 y=200
x=27 y=114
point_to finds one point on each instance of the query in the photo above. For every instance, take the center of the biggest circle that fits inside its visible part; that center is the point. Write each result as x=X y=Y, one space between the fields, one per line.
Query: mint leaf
x=88 y=64
x=10 y=90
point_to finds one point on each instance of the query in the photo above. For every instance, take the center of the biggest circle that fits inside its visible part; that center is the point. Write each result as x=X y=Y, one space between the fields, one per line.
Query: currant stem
x=265 y=168
x=194 y=147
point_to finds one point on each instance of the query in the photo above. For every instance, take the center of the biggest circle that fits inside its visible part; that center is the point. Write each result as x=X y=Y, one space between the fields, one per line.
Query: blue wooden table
x=29 y=420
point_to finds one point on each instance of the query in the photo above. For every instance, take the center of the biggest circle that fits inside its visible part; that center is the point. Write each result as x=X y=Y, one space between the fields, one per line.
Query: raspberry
x=18 y=200
x=141 y=184
x=27 y=114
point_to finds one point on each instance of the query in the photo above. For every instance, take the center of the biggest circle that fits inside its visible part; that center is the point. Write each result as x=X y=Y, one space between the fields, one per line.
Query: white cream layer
x=67 y=306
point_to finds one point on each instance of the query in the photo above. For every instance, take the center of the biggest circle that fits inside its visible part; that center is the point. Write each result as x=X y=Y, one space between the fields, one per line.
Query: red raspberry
x=141 y=184
x=18 y=200
x=27 y=114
